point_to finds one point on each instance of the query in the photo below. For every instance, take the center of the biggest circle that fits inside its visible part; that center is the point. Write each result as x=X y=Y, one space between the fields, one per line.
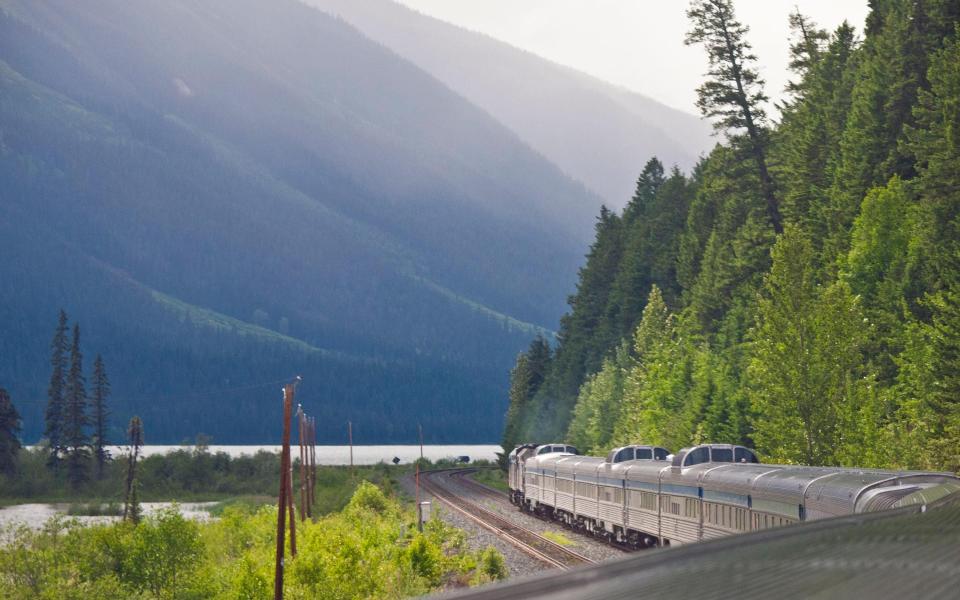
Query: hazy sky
x=638 y=43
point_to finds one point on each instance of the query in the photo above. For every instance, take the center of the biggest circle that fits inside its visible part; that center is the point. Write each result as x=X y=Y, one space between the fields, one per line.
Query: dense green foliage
x=369 y=550
x=188 y=474
x=300 y=200
x=832 y=340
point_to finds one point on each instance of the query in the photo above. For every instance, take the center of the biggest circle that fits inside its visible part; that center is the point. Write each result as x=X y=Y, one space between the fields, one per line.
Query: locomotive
x=642 y=496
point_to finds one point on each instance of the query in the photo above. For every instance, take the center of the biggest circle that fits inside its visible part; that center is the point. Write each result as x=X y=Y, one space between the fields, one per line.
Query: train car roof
x=548 y=461
x=645 y=470
x=577 y=464
x=737 y=477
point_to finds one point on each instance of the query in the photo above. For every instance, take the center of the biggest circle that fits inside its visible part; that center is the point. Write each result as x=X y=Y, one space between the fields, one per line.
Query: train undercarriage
x=630 y=539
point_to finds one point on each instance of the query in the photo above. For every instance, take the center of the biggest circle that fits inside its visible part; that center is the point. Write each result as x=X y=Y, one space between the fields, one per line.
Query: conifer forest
x=799 y=290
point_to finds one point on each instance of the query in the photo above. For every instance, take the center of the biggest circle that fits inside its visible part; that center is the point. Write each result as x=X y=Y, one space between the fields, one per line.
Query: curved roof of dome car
x=637 y=452
x=553 y=448
x=723 y=453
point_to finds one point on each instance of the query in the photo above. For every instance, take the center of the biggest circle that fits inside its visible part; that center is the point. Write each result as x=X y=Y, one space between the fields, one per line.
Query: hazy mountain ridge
x=267 y=163
x=595 y=131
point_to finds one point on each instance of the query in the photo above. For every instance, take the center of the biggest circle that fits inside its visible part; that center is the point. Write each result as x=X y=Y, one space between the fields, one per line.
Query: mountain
x=226 y=193
x=598 y=133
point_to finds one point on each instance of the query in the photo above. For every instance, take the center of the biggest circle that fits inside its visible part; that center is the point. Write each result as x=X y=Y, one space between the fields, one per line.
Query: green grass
x=494 y=478
x=250 y=502
x=558 y=538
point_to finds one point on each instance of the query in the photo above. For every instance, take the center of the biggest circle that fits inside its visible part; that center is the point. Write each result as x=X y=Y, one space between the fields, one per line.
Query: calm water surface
x=340 y=455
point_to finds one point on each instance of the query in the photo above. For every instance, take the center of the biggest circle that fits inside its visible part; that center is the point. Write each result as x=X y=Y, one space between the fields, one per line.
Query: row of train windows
x=686 y=507
x=725 y=516
x=767 y=521
x=716 y=514
x=644 y=500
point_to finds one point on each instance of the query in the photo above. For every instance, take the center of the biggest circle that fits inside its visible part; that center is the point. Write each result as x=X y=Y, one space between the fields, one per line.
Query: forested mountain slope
x=594 y=131
x=225 y=193
x=800 y=289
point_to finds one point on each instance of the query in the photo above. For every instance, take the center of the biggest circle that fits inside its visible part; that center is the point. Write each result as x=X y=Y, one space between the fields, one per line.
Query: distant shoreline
x=338 y=455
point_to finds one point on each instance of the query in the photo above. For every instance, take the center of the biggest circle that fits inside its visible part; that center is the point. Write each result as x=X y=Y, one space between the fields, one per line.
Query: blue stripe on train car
x=680 y=490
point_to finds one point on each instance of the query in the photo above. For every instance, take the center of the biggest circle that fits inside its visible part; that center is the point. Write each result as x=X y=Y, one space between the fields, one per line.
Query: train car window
x=644 y=454
x=625 y=454
x=697 y=456
x=746 y=456
x=607 y=494
x=572 y=450
x=721 y=455
x=660 y=453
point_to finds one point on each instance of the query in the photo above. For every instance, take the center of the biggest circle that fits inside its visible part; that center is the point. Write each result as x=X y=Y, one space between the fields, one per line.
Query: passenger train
x=643 y=496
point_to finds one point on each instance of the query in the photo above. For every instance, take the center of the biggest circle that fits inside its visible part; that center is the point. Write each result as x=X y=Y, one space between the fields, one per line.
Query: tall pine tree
x=75 y=420
x=101 y=390
x=9 y=434
x=53 y=416
x=131 y=500
x=733 y=93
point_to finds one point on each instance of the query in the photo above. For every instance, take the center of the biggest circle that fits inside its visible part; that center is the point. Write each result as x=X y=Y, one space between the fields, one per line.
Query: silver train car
x=642 y=496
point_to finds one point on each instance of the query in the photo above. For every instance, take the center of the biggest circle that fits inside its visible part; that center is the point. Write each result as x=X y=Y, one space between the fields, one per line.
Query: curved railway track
x=462 y=478
x=544 y=550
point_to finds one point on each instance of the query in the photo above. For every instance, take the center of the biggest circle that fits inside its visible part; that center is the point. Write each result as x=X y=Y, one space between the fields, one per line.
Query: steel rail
x=530 y=542
x=462 y=477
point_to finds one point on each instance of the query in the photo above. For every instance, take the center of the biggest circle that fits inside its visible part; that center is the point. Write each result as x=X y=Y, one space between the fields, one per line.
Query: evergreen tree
x=101 y=390
x=75 y=420
x=658 y=213
x=805 y=355
x=733 y=92
x=805 y=49
x=808 y=139
x=525 y=380
x=648 y=184
x=9 y=434
x=53 y=416
x=656 y=382
x=131 y=501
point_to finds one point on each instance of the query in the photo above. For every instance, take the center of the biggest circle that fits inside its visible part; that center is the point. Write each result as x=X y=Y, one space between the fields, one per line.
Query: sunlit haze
x=638 y=43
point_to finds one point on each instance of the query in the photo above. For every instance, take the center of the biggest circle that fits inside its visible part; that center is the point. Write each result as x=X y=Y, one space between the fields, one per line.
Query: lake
x=340 y=455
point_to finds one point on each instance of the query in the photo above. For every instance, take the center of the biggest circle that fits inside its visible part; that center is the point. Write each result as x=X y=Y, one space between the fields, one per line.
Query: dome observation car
x=554 y=448
x=718 y=453
x=637 y=452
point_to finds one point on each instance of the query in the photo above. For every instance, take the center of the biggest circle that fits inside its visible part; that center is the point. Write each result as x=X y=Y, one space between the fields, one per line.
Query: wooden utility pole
x=350 y=438
x=313 y=464
x=288 y=392
x=301 y=433
x=420 y=432
x=293 y=520
x=419 y=509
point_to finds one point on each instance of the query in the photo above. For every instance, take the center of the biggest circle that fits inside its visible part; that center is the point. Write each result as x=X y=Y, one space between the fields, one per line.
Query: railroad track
x=462 y=477
x=530 y=542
